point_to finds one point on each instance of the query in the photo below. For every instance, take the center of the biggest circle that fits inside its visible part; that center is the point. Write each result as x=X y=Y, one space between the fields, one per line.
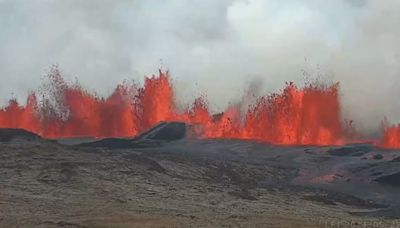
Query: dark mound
x=164 y=131
x=12 y=134
x=393 y=179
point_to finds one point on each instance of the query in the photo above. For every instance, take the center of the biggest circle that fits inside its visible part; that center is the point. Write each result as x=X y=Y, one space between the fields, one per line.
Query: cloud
x=213 y=47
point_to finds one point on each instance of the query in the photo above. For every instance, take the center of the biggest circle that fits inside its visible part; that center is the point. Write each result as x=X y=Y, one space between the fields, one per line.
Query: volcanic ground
x=164 y=179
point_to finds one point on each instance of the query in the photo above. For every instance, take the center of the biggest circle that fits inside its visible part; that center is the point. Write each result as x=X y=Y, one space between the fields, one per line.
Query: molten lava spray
x=391 y=136
x=70 y=111
x=295 y=116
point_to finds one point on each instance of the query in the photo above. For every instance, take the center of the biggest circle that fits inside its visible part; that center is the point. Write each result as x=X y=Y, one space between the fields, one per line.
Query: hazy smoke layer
x=217 y=47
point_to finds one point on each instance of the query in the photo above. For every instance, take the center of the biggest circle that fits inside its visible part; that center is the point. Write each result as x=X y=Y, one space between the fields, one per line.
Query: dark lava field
x=163 y=179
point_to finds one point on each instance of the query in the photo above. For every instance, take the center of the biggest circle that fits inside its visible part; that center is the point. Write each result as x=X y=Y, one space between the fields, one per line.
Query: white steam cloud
x=213 y=47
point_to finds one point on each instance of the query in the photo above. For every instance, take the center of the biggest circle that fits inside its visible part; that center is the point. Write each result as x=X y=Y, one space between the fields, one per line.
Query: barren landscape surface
x=195 y=183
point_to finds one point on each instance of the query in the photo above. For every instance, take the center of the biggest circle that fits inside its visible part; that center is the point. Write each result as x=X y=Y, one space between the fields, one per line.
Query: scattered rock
x=377 y=157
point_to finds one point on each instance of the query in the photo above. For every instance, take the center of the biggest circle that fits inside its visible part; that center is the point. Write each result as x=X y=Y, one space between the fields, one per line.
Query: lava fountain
x=295 y=116
x=391 y=136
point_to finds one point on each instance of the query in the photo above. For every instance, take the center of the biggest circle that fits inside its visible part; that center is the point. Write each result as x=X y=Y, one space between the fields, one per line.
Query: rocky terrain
x=152 y=181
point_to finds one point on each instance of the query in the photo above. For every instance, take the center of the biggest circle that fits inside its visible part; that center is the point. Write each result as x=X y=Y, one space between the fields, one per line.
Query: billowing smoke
x=213 y=47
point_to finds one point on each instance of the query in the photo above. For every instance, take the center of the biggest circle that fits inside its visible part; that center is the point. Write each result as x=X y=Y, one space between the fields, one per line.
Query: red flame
x=310 y=115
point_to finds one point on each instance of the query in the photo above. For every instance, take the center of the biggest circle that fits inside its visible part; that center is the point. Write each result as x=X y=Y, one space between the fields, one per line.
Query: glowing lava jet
x=391 y=136
x=295 y=116
x=308 y=116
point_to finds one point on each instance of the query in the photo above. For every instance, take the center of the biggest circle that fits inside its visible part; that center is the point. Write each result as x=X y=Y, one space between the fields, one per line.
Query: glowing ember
x=310 y=115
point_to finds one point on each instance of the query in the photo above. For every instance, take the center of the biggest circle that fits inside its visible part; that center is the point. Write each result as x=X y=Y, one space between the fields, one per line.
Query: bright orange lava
x=308 y=116
x=391 y=136
x=295 y=116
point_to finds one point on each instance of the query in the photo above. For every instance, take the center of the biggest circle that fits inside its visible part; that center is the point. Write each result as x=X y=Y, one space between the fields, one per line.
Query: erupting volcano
x=295 y=116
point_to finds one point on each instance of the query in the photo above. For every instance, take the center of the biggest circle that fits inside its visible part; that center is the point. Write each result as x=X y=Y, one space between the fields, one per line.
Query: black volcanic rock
x=377 y=157
x=11 y=134
x=397 y=159
x=355 y=151
x=393 y=179
x=110 y=143
x=164 y=131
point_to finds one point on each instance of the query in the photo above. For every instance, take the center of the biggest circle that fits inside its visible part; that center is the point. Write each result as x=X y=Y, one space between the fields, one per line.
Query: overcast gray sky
x=209 y=46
